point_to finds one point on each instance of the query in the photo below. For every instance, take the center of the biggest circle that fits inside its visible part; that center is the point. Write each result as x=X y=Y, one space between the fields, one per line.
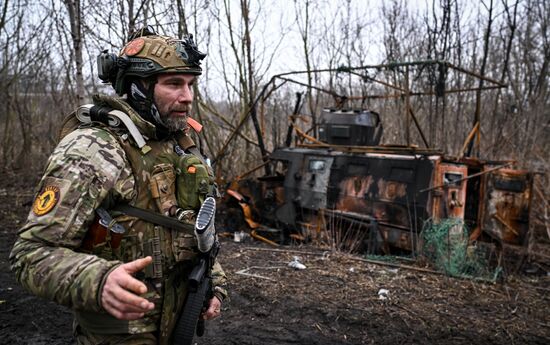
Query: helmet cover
x=147 y=54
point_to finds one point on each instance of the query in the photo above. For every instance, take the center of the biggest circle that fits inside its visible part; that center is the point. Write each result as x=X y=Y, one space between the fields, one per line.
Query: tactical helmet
x=147 y=54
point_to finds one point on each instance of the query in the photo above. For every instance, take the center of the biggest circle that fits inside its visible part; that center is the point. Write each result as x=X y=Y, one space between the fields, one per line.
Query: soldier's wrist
x=102 y=284
x=220 y=293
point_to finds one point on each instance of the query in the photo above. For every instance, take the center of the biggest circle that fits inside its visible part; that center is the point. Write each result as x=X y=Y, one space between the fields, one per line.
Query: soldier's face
x=173 y=98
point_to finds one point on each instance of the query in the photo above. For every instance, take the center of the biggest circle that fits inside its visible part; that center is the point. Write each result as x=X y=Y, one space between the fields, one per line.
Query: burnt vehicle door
x=507 y=204
x=313 y=183
x=449 y=200
x=306 y=181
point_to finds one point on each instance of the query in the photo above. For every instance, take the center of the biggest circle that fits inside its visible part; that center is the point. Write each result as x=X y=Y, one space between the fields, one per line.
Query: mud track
x=333 y=301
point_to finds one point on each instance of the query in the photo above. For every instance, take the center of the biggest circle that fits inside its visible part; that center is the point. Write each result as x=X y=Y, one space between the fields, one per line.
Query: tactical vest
x=173 y=251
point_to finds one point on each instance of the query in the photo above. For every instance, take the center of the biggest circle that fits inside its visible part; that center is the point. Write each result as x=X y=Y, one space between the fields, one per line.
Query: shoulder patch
x=46 y=200
x=52 y=191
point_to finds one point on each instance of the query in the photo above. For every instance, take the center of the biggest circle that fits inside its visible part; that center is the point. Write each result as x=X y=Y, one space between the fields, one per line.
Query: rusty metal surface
x=332 y=181
x=322 y=192
x=381 y=185
x=449 y=200
x=507 y=205
x=338 y=186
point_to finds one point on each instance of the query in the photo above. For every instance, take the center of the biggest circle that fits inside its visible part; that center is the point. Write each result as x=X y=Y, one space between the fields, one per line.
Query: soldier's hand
x=120 y=295
x=214 y=309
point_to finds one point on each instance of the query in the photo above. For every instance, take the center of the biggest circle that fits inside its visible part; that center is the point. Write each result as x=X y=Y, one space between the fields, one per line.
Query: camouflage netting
x=446 y=246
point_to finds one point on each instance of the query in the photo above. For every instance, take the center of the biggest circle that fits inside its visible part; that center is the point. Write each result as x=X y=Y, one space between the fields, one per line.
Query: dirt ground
x=334 y=300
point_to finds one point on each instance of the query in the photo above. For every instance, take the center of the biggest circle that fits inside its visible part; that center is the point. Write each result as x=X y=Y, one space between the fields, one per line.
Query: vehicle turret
x=350 y=127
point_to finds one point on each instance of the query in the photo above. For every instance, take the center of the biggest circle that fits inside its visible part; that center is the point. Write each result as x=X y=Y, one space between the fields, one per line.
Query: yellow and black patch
x=46 y=200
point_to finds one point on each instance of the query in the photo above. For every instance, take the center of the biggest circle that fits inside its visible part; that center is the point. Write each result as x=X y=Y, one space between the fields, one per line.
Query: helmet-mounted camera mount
x=188 y=50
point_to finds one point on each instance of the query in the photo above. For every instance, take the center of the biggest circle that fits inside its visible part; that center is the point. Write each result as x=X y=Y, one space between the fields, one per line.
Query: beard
x=171 y=122
x=175 y=124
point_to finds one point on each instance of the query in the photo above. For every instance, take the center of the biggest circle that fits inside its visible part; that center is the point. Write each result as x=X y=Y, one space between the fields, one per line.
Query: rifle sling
x=155 y=218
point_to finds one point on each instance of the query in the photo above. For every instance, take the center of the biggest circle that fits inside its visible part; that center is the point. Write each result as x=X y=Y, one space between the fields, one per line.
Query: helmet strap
x=141 y=98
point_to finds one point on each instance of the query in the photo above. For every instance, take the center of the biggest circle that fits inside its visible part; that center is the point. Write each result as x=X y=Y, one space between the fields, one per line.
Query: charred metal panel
x=449 y=200
x=314 y=181
x=508 y=201
x=398 y=238
x=306 y=181
x=475 y=194
x=384 y=186
x=401 y=191
x=381 y=185
x=350 y=127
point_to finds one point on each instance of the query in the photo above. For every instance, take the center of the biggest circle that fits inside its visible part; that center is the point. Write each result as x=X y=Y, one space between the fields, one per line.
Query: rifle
x=200 y=278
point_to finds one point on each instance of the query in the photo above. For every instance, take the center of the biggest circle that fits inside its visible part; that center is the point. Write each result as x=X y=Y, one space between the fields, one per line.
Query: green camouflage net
x=446 y=246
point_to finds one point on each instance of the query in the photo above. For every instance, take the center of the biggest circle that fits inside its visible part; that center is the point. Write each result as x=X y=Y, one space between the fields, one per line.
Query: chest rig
x=169 y=180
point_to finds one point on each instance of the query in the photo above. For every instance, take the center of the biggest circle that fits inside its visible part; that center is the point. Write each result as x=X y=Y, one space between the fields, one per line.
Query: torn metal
x=343 y=188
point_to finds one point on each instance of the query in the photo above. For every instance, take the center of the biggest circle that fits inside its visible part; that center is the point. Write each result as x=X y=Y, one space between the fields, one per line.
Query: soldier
x=123 y=274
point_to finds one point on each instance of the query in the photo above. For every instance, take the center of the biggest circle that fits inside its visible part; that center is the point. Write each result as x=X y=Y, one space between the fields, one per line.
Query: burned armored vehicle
x=344 y=188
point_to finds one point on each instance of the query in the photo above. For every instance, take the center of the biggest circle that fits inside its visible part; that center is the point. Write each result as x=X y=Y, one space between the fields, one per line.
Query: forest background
x=48 y=53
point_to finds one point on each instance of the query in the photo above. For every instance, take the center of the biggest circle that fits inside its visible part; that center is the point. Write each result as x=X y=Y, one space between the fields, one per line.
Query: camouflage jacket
x=90 y=168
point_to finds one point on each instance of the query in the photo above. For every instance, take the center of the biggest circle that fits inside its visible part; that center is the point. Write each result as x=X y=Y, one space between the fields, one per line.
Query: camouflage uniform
x=97 y=167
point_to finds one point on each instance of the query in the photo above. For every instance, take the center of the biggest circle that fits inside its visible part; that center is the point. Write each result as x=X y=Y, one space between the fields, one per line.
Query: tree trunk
x=74 y=10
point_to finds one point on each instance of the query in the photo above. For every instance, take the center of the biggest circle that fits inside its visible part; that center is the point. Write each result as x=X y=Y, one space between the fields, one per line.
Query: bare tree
x=74 y=10
x=243 y=45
